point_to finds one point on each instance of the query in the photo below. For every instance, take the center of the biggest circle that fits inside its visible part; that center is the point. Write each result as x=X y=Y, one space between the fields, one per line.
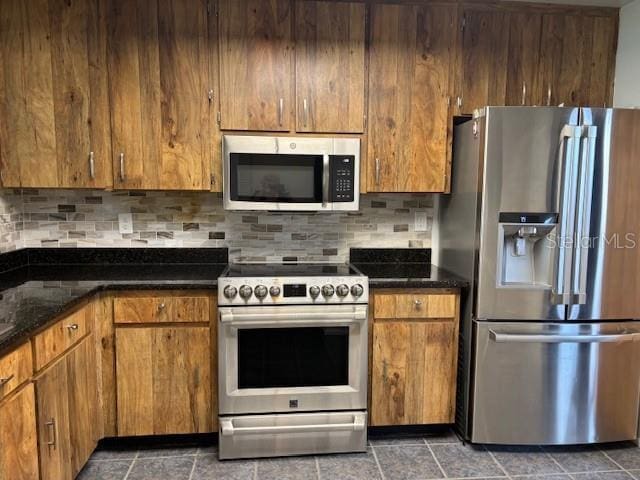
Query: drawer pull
x=52 y=443
x=417 y=303
x=5 y=380
x=162 y=306
x=72 y=327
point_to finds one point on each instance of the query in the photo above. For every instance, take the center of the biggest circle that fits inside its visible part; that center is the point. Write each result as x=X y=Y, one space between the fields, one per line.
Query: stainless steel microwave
x=291 y=173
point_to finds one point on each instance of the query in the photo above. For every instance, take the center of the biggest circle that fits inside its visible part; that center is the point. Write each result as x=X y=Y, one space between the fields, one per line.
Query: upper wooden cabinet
x=411 y=58
x=525 y=30
x=161 y=94
x=54 y=95
x=256 y=57
x=330 y=67
x=577 y=55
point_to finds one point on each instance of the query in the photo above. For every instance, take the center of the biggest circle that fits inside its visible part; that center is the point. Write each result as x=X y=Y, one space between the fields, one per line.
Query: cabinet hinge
x=365 y=120
x=210 y=95
x=213 y=180
x=219 y=117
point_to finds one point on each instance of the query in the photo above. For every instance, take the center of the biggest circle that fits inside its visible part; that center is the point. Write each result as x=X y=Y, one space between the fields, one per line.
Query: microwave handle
x=325 y=180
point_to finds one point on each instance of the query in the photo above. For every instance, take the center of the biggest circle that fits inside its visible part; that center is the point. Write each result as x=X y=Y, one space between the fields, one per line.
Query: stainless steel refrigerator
x=544 y=221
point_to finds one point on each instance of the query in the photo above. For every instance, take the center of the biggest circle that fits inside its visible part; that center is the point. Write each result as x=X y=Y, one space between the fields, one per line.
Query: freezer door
x=530 y=161
x=606 y=270
x=555 y=384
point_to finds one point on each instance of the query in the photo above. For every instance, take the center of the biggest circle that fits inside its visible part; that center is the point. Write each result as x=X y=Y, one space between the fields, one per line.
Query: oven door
x=292 y=359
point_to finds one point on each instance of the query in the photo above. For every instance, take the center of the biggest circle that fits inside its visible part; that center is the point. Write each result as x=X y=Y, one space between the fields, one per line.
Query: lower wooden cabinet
x=414 y=353
x=164 y=383
x=18 y=437
x=67 y=412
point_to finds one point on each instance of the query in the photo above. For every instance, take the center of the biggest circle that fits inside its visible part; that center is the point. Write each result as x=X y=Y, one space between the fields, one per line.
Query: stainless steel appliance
x=292 y=360
x=291 y=173
x=543 y=222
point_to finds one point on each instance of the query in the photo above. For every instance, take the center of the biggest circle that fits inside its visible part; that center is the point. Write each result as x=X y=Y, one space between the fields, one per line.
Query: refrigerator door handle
x=559 y=338
x=583 y=215
x=568 y=156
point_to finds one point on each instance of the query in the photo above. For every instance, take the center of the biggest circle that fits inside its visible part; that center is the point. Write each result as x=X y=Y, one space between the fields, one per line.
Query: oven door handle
x=316 y=318
x=227 y=429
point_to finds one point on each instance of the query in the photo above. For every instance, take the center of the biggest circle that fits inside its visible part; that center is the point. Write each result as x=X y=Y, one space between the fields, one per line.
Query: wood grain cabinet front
x=18 y=436
x=54 y=98
x=140 y=308
x=414 y=354
x=15 y=369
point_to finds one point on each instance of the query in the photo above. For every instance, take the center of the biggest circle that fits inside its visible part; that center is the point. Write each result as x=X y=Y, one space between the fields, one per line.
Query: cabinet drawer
x=414 y=305
x=60 y=336
x=161 y=309
x=15 y=369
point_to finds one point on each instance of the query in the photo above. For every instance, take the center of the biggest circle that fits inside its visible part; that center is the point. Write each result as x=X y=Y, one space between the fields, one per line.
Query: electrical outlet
x=125 y=222
x=420 y=222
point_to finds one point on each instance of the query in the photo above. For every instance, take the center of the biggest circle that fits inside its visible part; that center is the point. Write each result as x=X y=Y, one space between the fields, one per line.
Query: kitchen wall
x=10 y=220
x=81 y=218
x=627 y=93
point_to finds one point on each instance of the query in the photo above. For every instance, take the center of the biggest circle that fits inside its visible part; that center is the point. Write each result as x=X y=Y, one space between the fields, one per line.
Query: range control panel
x=342 y=172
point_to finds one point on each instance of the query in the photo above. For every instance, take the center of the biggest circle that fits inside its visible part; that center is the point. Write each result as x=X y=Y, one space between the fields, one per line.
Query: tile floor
x=390 y=458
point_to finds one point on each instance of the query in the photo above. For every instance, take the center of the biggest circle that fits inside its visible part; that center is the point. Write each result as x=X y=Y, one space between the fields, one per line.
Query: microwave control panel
x=342 y=172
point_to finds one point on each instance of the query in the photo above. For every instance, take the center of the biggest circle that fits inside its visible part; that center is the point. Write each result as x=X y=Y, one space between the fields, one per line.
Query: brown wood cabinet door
x=565 y=59
x=54 y=94
x=411 y=53
x=82 y=382
x=18 y=437
x=255 y=65
x=523 y=60
x=163 y=380
x=330 y=66
x=160 y=110
x=53 y=423
x=484 y=53
x=413 y=378
x=603 y=58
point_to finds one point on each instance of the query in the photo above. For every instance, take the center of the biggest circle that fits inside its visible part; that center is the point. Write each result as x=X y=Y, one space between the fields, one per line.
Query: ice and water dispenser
x=526 y=249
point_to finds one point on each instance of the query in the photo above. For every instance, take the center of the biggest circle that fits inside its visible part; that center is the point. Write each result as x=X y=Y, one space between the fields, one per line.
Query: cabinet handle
x=459 y=102
x=54 y=434
x=5 y=380
x=524 y=93
x=549 y=96
x=377 y=171
x=305 y=108
x=280 y=111
x=122 y=166
x=92 y=166
x=210 y=96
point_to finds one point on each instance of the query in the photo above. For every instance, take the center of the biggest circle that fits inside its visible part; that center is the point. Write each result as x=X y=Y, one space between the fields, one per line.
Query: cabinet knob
x=5 y=380
x=417 y=303
x=162 y=306
x=72 y=327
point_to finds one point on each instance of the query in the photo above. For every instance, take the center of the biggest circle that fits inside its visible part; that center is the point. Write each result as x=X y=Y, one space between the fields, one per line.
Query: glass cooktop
x=290 y=270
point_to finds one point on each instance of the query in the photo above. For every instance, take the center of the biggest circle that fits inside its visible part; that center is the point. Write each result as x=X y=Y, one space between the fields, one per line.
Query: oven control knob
x=245 y=291
x=357 y=290
x=314 y=291
x=274 y=291
x=230 y=291
x=260 y=291
x=342 y=290
x=328 y=290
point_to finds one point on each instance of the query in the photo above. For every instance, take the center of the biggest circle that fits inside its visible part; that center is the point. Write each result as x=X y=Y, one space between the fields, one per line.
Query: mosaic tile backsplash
x=81 y=218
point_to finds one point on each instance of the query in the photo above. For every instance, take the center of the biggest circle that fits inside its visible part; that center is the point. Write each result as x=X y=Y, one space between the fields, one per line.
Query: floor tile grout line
x=193 y=467
x=133 y=462
x=614 y=462
x=375 y=457
x=317 y=467
x=564 y=470
x=504 y=470
x=255 y=470
x=444 y=474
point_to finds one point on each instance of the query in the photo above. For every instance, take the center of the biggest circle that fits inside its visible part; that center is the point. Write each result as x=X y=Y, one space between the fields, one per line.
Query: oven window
x=261 y=177
x=293 y=357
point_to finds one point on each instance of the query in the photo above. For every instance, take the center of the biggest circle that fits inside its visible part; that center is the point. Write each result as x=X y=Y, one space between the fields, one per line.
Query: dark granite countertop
x=35 y=294
x=403 y=268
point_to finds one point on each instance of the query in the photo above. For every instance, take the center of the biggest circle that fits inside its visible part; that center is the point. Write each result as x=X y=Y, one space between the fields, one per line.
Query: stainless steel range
x=292 y=359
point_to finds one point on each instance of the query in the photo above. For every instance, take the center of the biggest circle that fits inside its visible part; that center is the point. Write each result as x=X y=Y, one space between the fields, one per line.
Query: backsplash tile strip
x=80 y=218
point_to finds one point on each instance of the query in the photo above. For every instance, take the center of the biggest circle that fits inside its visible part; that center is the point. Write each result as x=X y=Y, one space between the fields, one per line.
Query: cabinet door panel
x=83 y=403
x=523 y=60
x=53 y=423
x=413 y=373
x=18 y=437
x=255 y=64
x=28 y=139
x=603 y=57
x=164 y=380
x=330 y=58
x=410 y=62
x=485 y=42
